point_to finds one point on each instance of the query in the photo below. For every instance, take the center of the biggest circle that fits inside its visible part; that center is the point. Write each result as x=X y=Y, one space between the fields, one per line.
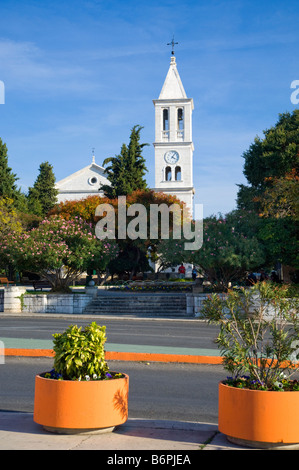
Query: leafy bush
x=253 y=342
x=80 y=354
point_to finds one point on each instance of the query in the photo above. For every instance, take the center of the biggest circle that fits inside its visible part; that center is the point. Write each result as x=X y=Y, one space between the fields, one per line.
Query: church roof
x=85 y=182
x=173 y=87
x=94 y=167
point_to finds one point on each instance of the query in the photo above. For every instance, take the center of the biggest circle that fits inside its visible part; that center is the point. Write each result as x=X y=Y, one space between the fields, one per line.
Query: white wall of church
x=81 y=184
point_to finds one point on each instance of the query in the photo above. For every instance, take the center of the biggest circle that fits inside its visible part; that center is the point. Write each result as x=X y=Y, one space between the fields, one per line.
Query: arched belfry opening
x=178 y=173
x=168 y=173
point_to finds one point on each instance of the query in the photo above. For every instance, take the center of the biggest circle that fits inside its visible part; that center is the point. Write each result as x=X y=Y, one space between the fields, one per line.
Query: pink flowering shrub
x=58 y=250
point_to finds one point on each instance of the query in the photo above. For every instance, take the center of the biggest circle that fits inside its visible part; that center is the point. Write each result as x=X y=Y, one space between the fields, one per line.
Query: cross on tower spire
x=172 y=43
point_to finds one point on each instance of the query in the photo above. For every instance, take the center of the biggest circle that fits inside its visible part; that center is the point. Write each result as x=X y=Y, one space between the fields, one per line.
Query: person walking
x=182 y=271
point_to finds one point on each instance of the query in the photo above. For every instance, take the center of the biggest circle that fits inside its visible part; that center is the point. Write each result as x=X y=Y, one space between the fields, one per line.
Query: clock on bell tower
x=173 y=139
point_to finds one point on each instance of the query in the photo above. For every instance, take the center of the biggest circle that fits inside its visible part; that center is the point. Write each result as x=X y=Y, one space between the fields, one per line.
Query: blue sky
x=80 y=74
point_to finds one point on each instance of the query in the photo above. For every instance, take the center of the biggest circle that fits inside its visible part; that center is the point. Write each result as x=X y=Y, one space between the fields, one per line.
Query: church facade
x=82 y=183
x=173 y=148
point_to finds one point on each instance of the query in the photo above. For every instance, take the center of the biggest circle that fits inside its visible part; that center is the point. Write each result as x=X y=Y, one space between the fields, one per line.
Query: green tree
x=280 y=215
x=281 y=199
x=270 y=158
x=228 y=251
x=9 y=218
x=8 y=187
x=42 y=197
x=10 y=222
x=280 y=239
x=126 y=171
x=271 y=168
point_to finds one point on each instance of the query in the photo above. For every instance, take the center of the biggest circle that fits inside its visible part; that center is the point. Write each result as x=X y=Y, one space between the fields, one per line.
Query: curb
x=124 y=356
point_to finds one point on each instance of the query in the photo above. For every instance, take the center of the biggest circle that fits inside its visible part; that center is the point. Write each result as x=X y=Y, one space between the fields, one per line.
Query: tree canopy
x=270 y=159
x=134 y=253
x=8 y=179
x=271 y=167
x=126 y=171
x=9 y=218
x=228 y=251
x=42 y=197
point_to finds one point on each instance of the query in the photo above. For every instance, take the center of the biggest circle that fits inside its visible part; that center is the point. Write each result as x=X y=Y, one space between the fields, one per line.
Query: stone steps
x=138 y=304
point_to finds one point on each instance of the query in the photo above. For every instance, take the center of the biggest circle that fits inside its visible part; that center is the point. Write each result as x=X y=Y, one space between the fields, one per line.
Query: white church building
x=83 y=183
x=173 y=148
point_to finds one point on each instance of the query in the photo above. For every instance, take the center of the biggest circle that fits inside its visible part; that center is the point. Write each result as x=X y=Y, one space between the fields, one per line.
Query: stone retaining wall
x=195 y=302
x=55 y=303
x=16 y=301
x=13 y=298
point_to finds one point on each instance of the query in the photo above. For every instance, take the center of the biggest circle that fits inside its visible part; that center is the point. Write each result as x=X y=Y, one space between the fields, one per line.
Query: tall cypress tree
x=43 y=195
x=126 y=171
x=8 y=187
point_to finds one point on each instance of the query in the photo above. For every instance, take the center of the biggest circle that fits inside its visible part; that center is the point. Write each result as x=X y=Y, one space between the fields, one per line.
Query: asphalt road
x=186 y=333
x=184 y=392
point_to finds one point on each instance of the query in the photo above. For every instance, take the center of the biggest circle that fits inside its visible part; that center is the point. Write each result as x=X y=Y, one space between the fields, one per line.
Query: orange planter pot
x=79 y=406
x=259 y=419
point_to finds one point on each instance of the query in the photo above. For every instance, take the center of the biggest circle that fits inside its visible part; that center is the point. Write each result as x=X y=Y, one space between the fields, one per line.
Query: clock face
x=171 y=157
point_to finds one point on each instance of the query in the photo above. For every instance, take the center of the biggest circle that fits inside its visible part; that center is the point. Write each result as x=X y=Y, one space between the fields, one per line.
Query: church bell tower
x=173 y=139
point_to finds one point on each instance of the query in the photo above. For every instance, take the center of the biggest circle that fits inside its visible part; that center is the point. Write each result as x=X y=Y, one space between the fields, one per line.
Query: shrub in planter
x=80 y=393
x=258 y=403
x=80 y=354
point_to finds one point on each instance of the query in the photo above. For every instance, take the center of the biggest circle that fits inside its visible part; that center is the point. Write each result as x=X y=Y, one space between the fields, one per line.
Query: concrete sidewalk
x=18 y=431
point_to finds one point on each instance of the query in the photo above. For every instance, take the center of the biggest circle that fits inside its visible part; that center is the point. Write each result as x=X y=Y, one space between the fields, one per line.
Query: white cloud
x=29 y=69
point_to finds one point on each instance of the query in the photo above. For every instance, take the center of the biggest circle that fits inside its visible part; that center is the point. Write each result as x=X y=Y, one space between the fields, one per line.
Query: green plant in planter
x=80 y=354
x=258 y=336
